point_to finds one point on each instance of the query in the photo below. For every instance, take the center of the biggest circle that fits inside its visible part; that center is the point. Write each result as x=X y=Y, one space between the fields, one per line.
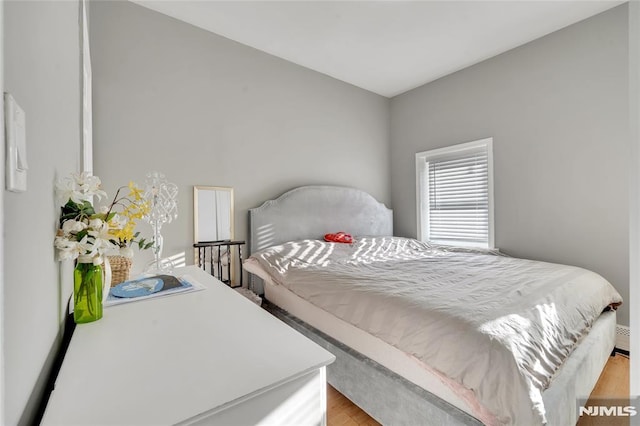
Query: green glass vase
x=87 y=292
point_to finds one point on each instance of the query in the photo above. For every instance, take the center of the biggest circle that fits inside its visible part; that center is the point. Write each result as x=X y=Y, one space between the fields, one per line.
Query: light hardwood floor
x=342 y=412
x=613 y=382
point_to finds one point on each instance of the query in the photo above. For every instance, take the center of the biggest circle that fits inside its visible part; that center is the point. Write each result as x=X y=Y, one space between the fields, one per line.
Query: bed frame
x=312 y=211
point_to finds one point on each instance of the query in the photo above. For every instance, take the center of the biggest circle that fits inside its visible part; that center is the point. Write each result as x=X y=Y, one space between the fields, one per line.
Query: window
x=455 y=194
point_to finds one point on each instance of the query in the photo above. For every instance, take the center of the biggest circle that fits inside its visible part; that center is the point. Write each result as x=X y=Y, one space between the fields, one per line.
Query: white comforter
x=499 y=326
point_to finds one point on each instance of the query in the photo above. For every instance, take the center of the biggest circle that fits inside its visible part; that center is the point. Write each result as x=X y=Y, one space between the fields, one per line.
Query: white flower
x=98 y=225
x=89 y=185
x=67 y=249
x=67 y=254
x=86 y=246
x=66 y=190
x=73 y=226
x=79 y=188
x=101 y=238
x=119 y=221
x=105 y=245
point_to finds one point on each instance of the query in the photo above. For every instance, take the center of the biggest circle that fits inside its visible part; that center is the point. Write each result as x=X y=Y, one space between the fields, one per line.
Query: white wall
x=41 y=70
x=205 y=110
x=557 y=109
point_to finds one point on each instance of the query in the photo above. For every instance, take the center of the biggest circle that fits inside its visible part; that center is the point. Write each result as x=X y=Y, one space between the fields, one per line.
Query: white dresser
x=205 y=357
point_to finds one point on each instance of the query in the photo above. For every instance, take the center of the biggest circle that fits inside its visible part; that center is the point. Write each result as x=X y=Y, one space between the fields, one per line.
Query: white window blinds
x=456 y=195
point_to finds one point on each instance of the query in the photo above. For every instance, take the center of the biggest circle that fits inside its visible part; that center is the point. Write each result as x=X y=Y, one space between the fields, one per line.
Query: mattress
x=575 y=379
x=504 y=326
x=368 y=345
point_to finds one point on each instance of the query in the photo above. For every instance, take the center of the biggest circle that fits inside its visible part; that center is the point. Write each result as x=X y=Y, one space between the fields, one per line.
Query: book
x=148 y=287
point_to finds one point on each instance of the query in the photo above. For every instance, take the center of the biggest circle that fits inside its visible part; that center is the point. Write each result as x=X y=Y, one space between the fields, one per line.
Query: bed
x=412 y=348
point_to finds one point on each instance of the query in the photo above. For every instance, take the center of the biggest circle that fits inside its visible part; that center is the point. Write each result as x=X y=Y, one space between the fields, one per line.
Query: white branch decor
x=162 y=197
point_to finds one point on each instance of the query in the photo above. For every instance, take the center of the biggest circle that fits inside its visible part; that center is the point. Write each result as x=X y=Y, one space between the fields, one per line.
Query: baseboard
x=622 y=338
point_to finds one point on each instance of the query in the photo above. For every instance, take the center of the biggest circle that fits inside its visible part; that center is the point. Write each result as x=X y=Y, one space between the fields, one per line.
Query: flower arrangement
x=90 y=234
x=134 y=207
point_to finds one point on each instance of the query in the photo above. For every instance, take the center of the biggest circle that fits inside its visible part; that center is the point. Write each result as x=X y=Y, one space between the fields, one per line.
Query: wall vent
x=622 y=337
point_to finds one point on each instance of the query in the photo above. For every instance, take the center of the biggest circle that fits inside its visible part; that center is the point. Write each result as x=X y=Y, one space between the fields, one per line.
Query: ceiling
x=386 y=47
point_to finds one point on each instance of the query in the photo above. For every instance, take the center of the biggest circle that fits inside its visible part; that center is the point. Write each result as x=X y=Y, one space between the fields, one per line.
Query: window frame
x=422 y=194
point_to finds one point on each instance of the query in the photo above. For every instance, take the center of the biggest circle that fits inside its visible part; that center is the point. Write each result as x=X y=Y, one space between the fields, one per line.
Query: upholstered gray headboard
x=313 y=211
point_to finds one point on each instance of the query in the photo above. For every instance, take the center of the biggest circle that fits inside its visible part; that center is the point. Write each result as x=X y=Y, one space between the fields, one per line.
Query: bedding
x=500 y=327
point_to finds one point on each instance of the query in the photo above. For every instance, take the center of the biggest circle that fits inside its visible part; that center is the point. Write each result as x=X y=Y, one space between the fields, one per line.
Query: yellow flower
x=134 y=191
x=124 y=233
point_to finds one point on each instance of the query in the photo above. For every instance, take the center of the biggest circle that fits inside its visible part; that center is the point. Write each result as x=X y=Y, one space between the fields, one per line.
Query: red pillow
x=339 y=237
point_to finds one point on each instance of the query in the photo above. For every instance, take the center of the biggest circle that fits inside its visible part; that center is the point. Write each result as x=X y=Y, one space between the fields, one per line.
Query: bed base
x=384 y=395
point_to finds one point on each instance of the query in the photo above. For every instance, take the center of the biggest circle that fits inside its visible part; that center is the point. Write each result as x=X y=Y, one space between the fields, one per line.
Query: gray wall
x=557 y=109
x=173 y=98
x=41 y=70
x=2 y=159
x=634 y=194
x=205 y=110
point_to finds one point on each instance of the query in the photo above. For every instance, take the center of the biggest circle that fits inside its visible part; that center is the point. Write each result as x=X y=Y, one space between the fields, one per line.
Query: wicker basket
x=120 y=268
